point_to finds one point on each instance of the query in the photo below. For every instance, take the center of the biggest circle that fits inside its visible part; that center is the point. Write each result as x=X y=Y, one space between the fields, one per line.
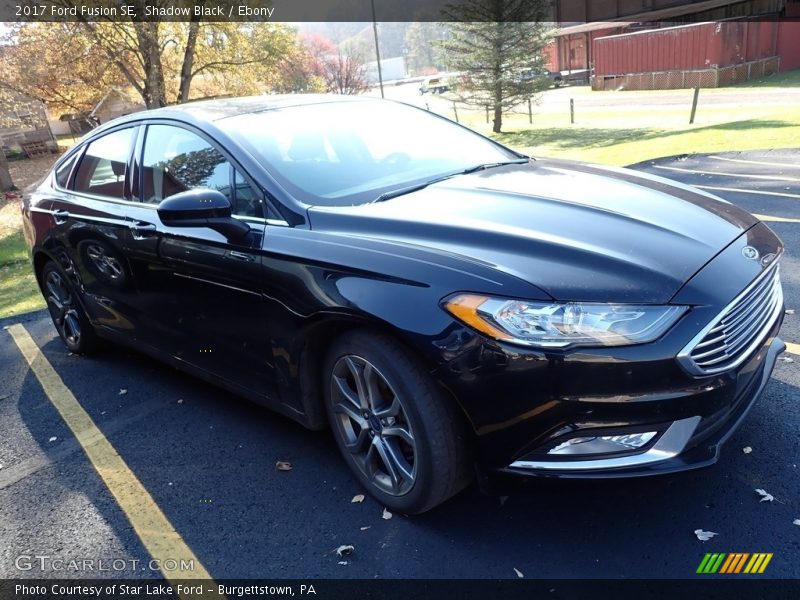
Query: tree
x=421 y=40
x=497 y=47
x=345 y=72
x=164 y=62
x=6 y=183
x=83 y=76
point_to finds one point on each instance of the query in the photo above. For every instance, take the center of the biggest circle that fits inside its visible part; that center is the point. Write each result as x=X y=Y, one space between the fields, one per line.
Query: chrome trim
x=669 y=445
x=81 y=217
x=276 y=222
x=769 y=295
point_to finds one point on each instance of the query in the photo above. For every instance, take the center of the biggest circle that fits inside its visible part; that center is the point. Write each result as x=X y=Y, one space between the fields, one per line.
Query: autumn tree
x=345 y=72
x=82 y=77
x=497 y=46
x=164 y=62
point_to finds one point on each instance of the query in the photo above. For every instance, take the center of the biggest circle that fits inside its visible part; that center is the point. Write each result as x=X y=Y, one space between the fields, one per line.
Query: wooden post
x=530 y=112
x=487 y=115
x=455 y=111
x=572 y=111
x=694 y=105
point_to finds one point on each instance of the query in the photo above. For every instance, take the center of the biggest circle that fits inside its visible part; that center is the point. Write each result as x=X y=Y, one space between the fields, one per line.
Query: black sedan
x=447 y=306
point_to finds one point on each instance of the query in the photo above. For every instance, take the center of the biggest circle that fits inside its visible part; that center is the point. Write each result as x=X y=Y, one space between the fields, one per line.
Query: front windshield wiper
x=483 y=167
x=419 y=186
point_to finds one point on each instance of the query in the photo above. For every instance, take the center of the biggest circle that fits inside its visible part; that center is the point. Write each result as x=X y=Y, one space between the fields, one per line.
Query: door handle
x=60 y=216
x=240 y=255
x=140 y=229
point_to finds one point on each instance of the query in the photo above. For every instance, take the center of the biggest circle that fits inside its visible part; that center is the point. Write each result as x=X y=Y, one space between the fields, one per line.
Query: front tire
x=66 y=311
x=404 y=442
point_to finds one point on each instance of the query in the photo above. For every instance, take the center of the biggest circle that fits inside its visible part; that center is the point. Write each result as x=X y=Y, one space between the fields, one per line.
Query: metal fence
x=704 y=78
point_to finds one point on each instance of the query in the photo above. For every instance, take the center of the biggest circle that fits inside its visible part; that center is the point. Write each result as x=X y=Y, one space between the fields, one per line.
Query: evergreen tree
x=497 y=47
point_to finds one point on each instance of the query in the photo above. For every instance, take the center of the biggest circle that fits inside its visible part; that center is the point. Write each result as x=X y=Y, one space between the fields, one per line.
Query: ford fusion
x=445 y=305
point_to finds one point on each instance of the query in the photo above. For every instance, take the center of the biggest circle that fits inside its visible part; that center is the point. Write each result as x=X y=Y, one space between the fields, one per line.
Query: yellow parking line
x=793 y=348
x=771 y=219
x=151 y=525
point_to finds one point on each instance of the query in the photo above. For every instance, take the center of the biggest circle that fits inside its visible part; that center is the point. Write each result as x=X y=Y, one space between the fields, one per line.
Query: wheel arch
x=314 y=349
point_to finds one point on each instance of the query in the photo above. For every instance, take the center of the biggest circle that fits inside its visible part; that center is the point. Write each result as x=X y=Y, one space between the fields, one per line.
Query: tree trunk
x=147 y=39
x=497 y=124
x=188 y=60
x=6 y=183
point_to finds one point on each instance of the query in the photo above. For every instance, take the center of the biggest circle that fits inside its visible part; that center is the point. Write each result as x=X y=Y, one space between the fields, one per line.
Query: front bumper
x=688 y=443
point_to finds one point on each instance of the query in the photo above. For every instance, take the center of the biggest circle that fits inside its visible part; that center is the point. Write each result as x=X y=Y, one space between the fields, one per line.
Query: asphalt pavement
x=208 y=459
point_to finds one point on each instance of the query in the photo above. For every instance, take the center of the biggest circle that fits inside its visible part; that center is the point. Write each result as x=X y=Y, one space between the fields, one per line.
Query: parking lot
x=208 y=461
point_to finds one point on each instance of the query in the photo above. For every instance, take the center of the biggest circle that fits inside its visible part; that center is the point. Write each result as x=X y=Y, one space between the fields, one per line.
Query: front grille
x=738 y=330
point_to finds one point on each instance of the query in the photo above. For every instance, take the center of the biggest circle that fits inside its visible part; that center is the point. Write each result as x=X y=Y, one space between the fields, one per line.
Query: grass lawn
x=625 y=137
x=18 y=290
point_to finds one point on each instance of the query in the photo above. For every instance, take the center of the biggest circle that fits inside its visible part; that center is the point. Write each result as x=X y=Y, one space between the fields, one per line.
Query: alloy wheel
x=373 y=424
x=61 y=304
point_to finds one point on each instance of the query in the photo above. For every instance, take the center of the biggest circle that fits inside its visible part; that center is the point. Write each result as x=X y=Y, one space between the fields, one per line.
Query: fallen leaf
x=368 y=526
x=122 y=392
x=704 y=536
x=357 y=499
x=796 y=522
x=345 y=550
x=386 y=515
x=283 y=466
x=765 y=497
x=747 y=449
x=785 y=359
x=519 y=573
x=789 y=311
x=52 y=439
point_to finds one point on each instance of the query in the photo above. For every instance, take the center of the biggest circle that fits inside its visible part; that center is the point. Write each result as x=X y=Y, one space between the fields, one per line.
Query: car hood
x=577 y=232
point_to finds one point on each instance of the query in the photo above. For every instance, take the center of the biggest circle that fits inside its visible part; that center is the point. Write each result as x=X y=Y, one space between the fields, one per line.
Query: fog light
x=603 y=444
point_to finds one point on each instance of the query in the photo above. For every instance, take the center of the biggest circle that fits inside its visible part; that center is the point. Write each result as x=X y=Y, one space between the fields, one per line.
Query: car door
x=206 y=287
x=88 y=207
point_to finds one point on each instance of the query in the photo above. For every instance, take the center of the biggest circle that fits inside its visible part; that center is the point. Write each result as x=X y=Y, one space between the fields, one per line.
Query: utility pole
x=377 y=50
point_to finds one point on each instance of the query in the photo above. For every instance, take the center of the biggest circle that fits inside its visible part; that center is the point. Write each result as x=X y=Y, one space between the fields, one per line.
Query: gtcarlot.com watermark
x=46 y=563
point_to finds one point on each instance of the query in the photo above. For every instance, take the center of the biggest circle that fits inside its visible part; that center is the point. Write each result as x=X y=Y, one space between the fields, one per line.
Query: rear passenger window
x=102 y=168
x=62 y=173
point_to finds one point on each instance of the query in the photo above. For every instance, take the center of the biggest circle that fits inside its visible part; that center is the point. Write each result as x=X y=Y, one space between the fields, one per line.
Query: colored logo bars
x=738 y=562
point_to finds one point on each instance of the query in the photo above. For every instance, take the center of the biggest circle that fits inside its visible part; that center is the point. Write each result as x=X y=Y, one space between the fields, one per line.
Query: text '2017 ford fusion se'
x=445 y=305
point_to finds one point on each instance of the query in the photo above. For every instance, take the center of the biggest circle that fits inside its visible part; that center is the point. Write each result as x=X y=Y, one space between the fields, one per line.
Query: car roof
x=221 y=108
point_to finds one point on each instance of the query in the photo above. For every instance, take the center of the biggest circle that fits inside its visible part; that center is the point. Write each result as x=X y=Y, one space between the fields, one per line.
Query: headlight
x=561 y=324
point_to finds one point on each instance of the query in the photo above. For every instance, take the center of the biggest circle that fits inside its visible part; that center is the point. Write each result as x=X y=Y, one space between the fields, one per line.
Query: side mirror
x=202 y=208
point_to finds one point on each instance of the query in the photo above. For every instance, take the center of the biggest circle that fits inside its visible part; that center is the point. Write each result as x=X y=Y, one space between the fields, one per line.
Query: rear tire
x=401 y=438
x=66 y=311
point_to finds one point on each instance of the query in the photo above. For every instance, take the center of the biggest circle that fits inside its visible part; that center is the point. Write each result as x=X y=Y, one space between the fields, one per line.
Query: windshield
x=344 y=153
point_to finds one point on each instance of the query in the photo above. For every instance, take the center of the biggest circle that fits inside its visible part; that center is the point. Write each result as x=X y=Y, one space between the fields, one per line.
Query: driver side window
x=176 y=160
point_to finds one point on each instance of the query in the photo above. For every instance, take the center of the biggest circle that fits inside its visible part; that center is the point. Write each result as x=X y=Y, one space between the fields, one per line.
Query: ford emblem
x=750 y=253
